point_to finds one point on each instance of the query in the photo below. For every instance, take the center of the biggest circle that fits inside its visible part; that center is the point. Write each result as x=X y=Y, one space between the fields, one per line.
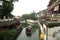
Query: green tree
x=7 y=7
x=32 y=15
x=29 y=16
x=25 y=16
x=8 y=34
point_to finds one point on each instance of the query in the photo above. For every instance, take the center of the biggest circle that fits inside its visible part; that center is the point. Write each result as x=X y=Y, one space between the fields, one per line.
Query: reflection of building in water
x=56 y=35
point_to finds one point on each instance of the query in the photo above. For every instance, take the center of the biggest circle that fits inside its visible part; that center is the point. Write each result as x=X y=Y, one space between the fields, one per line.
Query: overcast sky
x=27 y=6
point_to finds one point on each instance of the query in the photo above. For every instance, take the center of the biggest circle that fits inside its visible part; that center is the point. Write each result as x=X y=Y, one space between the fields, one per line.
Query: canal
x=34 y=35
x=54 y=33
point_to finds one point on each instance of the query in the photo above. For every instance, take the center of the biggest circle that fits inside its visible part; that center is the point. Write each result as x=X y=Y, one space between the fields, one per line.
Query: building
x=53 y=19
x=51 y=2
x=53 y=11
x=41 y=15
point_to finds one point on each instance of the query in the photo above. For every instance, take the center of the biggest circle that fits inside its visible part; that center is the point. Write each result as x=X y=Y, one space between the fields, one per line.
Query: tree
x=32 y=15
x=25 y=16
x=8 y=34
x=29 y=16
x=7 y=7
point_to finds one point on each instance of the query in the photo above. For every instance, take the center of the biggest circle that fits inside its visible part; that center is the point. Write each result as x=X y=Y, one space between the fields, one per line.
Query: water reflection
x=24 y=36
x=54 y=33
x=28 y=35
x=34 y=29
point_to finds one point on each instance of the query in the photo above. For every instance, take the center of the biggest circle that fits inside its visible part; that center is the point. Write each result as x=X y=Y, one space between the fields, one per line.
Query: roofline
x=53 y=5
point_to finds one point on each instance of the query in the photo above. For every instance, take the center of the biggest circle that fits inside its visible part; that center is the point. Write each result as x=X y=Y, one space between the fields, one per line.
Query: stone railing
x=6 y=19
x=1 y=20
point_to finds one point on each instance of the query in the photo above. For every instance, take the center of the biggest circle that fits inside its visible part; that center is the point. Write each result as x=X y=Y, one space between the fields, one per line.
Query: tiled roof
x=51 y=2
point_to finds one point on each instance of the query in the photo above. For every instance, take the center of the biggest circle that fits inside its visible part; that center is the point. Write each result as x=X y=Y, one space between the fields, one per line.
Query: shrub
x=8 y=34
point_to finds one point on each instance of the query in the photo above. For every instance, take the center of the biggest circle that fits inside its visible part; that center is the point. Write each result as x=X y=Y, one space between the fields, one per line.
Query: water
x=51 y=32
x=34 y=36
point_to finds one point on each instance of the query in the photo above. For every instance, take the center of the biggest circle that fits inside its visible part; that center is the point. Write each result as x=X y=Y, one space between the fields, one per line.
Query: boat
x=28 y=31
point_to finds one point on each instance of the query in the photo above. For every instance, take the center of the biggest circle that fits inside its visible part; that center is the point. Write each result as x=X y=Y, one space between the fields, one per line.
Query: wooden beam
x=53 y=5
